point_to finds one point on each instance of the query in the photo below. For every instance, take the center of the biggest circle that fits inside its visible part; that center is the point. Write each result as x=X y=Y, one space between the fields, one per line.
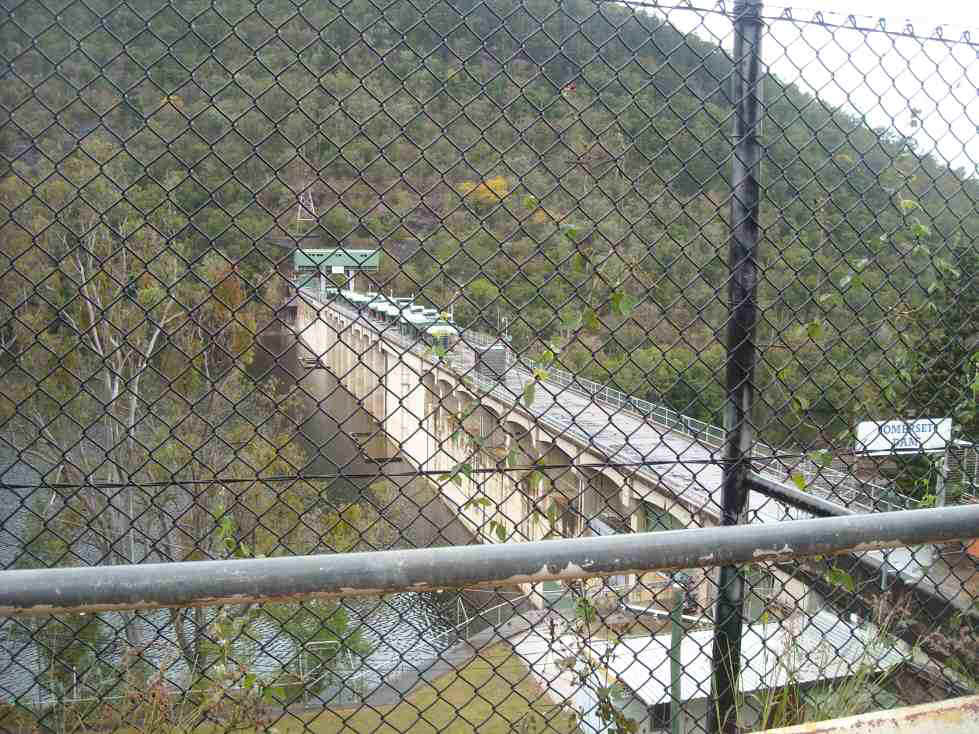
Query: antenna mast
x=306 y=210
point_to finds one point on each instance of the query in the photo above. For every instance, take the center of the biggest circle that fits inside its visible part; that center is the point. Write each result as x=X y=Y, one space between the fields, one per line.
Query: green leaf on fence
x=571 y=321
x=830 y=298
x=927 y=501
x=585 y=610
x=822 y=457
x=452 y=476
x=622 y=303
x=500 y=531
x=799 y=481
x=552 y=514
x=276 y=693
x=920 y=230
x=838 y=577
x=944 y=266
x=529 y=393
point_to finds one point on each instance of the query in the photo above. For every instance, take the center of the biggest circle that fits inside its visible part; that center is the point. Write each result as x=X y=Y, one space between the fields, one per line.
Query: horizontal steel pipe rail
x=796 y=498
x=926 y=593
x=958 y=716
x=208 y=583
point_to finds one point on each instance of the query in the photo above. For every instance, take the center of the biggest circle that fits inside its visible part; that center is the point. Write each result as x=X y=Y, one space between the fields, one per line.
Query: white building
x=802 y=652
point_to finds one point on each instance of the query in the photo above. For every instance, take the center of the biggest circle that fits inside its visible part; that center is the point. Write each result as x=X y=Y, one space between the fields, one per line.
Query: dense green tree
x=614 y=123
x=127 y=386
x=938 y=375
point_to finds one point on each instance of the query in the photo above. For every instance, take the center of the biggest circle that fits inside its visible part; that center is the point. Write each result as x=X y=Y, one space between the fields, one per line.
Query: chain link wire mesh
x=286 y=278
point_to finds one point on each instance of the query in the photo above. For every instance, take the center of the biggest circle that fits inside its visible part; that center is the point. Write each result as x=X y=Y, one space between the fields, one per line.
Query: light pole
x=679 y=583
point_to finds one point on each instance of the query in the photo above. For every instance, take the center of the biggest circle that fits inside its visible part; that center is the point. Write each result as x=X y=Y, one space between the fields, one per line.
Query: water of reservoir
x=404 y=631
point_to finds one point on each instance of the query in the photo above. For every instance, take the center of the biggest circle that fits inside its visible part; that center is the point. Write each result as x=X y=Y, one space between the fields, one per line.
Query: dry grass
x=493 y=694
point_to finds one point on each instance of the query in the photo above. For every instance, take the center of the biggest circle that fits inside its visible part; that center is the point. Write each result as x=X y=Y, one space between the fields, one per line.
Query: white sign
x=892 y=437
x=336 y=269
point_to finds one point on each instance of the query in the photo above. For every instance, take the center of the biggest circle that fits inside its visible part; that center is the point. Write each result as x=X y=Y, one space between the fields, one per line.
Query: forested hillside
x=566 y=171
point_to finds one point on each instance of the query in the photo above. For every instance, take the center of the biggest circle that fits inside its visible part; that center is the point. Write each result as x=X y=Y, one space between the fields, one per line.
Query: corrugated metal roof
x=336 y=257
x=383 y=304
x=442 y=328
x=773 y=655
x=355 y=297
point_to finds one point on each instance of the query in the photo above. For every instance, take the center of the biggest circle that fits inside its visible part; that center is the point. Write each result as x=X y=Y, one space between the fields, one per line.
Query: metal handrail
x=89 y=589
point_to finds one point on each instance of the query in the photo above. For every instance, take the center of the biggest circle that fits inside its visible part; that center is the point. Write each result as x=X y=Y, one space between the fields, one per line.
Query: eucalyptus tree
x=126 y=385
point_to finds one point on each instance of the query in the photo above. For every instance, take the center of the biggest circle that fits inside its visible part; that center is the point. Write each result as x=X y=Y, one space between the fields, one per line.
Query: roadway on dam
x=687 y=469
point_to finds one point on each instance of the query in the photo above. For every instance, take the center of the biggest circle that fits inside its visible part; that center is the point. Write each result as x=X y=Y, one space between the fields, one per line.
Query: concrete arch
x=474 y=417
x=495 y=441
x=443 y=387
x=557 y=468
x=452 y=403
x=432 y=405
x=565 y=451
x=577 y=454
x=562 y=486
x=603 y=499
x=466 y=393
x=520 y=446
x=509 y=415
x=607 y=472
x=490 y=411
x=663 y=502
x=514 y=429
x=439 y=403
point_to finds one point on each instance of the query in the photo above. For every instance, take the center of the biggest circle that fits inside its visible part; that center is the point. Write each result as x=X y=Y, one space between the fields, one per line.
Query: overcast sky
x=925 y=89
x=932 y=12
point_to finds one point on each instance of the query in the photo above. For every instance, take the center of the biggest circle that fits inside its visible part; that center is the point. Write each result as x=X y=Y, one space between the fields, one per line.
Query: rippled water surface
x=402 y=630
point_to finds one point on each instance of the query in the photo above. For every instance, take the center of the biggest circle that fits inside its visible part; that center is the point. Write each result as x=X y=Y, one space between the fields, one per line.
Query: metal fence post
x=676 y=658
x=741 y=354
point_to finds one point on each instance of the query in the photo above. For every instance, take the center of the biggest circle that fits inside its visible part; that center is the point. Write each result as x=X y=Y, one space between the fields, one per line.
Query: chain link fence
x=358 y=360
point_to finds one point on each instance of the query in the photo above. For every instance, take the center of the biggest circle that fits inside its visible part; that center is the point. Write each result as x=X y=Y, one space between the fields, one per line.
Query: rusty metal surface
x=211 y=583
x=957 y=716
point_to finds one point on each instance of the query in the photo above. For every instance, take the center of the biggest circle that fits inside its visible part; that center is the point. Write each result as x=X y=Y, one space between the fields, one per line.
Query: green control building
x=313 y=266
